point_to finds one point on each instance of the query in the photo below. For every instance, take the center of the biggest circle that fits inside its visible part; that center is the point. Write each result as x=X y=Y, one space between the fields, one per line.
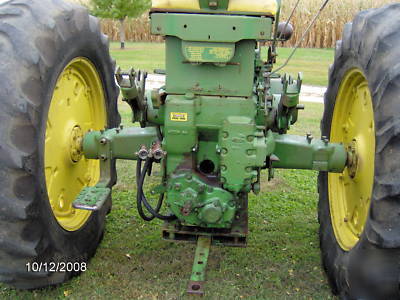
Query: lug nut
x=103 y=141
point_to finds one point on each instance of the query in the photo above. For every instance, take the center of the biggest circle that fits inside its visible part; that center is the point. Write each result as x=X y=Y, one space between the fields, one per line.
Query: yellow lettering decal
x=179 y=117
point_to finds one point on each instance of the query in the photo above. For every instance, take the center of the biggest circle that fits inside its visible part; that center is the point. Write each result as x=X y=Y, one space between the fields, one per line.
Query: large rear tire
x=56 y=83
x=359 y=210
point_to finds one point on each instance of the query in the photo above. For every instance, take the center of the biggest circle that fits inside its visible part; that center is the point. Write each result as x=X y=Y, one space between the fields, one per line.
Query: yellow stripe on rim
x=350 y=192
x=77 y=105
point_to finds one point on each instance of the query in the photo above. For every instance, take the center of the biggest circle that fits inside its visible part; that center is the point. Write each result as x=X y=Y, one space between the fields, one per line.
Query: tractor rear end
x=220 y=119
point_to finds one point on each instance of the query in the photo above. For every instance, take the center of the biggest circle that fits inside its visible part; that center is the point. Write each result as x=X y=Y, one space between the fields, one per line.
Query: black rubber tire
x=38 y=38
x=371 y=270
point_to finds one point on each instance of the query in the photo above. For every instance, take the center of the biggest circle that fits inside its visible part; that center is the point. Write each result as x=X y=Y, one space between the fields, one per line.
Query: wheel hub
x=352 y=159
x=75 y=148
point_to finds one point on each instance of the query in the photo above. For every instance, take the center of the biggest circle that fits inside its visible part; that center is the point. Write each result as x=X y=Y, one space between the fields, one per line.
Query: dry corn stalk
x=324 y=34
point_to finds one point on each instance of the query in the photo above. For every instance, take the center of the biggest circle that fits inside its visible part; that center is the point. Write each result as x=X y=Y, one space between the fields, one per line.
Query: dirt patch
x=275 y=184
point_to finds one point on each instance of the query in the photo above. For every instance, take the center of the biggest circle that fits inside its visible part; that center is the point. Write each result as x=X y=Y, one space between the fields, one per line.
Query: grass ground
x=282 y=260
x=314 y=63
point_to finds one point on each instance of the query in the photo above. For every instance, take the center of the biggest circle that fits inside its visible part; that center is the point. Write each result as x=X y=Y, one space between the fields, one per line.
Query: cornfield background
x=325 y=33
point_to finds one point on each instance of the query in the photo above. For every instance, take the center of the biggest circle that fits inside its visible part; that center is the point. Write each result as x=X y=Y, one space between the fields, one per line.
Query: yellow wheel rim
x=77 y=105
x=350 y=192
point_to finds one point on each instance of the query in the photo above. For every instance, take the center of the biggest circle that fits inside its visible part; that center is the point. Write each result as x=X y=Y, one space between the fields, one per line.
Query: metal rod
x=302 y=37
x=196 y=284
x=288 y=20
x=278 y=16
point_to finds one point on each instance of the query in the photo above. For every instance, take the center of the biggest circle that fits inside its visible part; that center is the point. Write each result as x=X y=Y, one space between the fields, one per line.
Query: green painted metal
x=243 y=149
x=221 y=62
x=208 y=52
x=234 y=78
x=207 y=28
x=118 y=143
x=92 y=198
x=196 y=203
x=132 y=86
x=200 y=265
x=219 y=7
x=296 y=152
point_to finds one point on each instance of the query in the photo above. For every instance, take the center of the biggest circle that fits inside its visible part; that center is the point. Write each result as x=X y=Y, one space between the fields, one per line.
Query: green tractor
x=220 y=120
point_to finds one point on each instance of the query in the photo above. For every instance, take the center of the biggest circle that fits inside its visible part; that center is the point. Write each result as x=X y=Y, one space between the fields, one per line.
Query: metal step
x=92 y=198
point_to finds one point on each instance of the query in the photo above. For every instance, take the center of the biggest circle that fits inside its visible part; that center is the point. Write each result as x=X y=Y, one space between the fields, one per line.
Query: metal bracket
x=196 y=283
x=132 y=85
x=92 y=198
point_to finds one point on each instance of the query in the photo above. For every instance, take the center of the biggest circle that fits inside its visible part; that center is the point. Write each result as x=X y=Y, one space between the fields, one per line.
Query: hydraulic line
x=139 y=194
x=141 y=198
